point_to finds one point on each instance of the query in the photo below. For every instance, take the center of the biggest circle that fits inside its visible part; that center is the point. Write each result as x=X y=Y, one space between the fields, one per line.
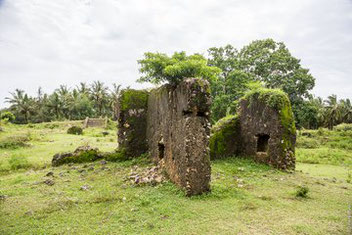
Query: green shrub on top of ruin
x=75 y=130
x=159 y=68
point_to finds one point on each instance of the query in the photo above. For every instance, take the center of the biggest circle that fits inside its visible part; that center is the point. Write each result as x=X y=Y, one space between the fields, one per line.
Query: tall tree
x=115 y=92
x=333 y=111
x=266 y=61
x=99 y=95
x=22 y=104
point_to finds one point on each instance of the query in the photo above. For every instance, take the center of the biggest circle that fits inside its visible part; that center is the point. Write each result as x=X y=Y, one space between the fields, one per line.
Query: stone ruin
x=172 y=124
x=95 y=122
x=263 y=129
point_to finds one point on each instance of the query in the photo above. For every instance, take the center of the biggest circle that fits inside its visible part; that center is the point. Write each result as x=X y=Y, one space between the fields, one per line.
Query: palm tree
x=333 y=111
x=346 y=111
x=21 y=103
x=55 y=104
x=83 y=88
x=115 y=92
x=99 y=96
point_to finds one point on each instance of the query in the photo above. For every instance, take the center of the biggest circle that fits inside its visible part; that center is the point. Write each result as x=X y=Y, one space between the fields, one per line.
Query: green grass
x=324 y=146
x=246 y=197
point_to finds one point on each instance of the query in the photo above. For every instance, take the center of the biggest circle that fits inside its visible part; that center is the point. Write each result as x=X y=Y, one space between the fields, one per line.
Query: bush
x=302 y=192
x=343 y=127
x=18 y=162
x=14 y=141
x=8 y=116
x=75 y=130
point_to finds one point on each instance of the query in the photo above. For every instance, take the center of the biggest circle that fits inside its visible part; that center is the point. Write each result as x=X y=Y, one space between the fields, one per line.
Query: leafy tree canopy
x=158 y=68
x=272 y=63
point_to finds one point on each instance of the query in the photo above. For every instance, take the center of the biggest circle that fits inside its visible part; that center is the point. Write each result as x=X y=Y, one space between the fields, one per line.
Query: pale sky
x=49 y=42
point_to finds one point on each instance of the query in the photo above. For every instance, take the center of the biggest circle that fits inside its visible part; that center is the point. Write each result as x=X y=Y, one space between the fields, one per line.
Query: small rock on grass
x=50 y=173
x=85 y=187
x=49 y=182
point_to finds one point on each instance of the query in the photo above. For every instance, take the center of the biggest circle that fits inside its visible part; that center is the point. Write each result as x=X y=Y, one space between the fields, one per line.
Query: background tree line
x=94 y=100
x=230 y=72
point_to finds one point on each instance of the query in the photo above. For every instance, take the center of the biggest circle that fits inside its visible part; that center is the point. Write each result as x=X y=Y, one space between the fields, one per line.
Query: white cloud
x=47 y=42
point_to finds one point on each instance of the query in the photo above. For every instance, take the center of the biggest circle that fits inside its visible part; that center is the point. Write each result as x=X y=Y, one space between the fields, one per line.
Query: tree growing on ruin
x=160 y=68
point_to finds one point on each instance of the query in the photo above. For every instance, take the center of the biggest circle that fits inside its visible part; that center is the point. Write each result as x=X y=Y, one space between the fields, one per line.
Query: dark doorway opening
x=161 y=148
x=262 y=142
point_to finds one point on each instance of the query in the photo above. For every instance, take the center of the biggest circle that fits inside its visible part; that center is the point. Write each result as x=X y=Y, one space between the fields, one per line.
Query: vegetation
x=78 y=103
x=75 y=130
x=224 y=133
x=326 y=146
x=231 y=73
x=158 y=68
x=87 y=198
x=302 y=192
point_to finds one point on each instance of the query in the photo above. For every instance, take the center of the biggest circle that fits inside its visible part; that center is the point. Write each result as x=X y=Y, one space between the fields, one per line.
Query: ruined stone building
x=171 y=123
x=263 y=129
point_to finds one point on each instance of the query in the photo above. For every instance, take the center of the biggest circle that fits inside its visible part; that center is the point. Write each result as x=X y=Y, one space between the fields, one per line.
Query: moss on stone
x=133 y=105
x=117 y=156
x=278 y=100
x=77 y=157
x=222 y=138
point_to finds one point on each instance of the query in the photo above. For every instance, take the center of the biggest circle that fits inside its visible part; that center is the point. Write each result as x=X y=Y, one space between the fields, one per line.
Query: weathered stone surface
x=225 y=138
x=178 y=132
x=264 y=129
x=132 y=122
x=95 y=122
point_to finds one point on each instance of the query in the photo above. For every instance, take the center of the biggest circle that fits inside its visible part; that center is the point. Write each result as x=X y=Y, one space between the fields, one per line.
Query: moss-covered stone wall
x=263 y=129
x=225 y=140
x=132 y=122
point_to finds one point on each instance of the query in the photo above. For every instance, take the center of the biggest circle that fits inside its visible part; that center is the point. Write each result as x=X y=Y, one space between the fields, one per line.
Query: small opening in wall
x=161 y=148
x=201 y=114
x=187 y=112
x=190 y=113
x=262 y=142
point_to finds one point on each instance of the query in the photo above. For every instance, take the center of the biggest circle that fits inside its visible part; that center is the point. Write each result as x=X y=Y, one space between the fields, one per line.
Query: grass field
x=246 y=197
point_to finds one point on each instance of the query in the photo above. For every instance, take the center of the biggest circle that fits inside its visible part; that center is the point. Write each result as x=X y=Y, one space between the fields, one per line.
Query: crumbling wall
x=178 y=132
x=263 y=129
x=132 y=122
x=95 y=122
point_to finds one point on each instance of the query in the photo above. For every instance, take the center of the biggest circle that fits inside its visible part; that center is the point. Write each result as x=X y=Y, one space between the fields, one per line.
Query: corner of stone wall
x=178 y=131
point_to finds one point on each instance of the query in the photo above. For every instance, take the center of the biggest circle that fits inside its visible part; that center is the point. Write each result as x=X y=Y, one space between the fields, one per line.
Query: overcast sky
x=49 y=42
